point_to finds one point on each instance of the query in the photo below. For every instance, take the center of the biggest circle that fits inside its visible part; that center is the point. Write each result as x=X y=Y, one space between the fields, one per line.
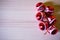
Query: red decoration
x=46 y=18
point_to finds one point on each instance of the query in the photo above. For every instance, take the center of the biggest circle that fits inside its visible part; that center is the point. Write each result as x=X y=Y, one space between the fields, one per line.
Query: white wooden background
x=17 y=21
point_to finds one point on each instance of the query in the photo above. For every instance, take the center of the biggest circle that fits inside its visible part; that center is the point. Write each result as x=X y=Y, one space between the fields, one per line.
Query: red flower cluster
x=46 y=18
